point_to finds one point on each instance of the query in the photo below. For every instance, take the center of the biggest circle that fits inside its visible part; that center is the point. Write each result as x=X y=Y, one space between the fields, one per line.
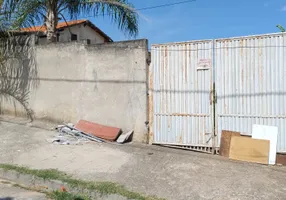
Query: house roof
x=69 y=24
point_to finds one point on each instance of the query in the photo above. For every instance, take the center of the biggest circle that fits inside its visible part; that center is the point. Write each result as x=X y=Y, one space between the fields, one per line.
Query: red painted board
x=102 y=131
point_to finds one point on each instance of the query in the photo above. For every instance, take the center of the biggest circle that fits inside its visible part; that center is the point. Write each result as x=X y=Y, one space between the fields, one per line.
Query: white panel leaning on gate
x=267 y=133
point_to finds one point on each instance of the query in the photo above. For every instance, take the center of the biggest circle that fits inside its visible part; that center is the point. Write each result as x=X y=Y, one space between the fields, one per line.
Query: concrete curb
x=41 y=185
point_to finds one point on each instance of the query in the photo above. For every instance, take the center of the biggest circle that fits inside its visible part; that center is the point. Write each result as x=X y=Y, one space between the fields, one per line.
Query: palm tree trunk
x=52 y=21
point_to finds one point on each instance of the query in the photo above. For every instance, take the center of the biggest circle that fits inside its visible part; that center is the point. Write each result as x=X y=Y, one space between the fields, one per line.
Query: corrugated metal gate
x=251 y=84
x=180 y=94
x=250 y=88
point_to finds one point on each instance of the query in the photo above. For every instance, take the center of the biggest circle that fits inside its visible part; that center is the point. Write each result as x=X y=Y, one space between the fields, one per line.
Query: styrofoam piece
x=124 y=137
x=267 y=133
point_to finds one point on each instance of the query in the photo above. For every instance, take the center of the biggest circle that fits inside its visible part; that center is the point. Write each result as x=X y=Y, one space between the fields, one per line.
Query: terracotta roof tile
x=60 y=25
x=66 y=24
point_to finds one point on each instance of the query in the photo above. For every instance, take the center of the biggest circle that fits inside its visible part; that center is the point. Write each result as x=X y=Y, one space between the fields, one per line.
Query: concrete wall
x=104 y=83
x=82 y=32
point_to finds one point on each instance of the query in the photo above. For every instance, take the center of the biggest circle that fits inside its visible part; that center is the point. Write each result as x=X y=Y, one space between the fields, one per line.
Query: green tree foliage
x=281 y=28
x=49 y=12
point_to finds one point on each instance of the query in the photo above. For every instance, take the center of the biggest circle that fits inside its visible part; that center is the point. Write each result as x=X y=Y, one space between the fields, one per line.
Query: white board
x=267 y=133
x=124 y=137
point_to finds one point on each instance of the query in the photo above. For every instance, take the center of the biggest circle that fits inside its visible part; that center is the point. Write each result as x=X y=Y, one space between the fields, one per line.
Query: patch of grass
x=50 y=174
x=103 y=188
x=56 y=195
x=5 y=182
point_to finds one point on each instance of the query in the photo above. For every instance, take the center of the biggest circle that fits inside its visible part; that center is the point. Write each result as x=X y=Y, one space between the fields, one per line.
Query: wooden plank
x=250 y=150
x=225 y=142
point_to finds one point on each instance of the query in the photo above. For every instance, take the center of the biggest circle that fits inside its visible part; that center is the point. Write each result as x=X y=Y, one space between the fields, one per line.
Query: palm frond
x=15 y=68
x=120 y=11
x=29 y=13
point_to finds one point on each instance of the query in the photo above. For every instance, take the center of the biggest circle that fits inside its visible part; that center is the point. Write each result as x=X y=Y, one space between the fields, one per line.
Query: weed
x=103 y=188
x=56 y=195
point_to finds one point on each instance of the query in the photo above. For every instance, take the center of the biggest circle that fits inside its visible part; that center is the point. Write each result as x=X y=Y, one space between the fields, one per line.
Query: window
x=73 y=37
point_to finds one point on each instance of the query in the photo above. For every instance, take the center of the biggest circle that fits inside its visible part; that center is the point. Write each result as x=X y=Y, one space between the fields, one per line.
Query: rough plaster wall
x=59 y=71
x=101 y=83
x=18 y=72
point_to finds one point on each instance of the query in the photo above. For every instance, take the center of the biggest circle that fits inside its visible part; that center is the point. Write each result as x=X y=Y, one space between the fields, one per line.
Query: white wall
x=82 y=32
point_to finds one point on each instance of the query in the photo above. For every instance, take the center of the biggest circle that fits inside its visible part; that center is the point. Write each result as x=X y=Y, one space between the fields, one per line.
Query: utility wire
x=166 y=5
x=152 y=7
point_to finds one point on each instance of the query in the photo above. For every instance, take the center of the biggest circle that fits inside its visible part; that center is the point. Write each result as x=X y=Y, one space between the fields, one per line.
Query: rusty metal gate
x=251 y=84
x=250 y=88
x=180 y=96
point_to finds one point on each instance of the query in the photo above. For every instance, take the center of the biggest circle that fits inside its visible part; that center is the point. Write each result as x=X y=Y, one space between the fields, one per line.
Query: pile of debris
x=260 y=147
x=85 y=131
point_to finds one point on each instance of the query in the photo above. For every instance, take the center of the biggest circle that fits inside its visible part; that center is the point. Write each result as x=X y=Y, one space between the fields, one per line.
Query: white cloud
x=283 y=8
x=266 y=4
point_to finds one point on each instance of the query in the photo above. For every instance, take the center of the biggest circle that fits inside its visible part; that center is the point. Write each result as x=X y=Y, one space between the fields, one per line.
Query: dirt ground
x=166 y=173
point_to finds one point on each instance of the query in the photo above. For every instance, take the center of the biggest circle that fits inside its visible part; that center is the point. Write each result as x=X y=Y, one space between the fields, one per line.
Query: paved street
x=10 y=192
x=166 y=173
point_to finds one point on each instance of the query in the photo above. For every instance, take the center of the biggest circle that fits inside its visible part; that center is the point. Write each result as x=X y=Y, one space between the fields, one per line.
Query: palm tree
x=50 y=11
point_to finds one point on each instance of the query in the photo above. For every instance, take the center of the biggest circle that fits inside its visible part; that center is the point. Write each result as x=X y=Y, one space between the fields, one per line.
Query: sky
x=201 y=19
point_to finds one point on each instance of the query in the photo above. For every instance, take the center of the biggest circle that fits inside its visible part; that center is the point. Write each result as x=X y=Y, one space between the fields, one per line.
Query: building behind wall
x=77 y=30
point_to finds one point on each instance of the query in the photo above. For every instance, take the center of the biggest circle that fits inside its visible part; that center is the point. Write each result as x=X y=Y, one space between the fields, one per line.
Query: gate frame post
x=150 y=138
x=213 y=91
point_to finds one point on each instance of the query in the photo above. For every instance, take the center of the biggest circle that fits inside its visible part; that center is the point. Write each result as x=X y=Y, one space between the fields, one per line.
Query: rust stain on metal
x=196 y=82
x=241 y=49
x=166 y=81
x=242 y=83
x=225 y=40
x=166 y=52
x=242 y=70
x=186 y=64
x=260 y=64
x=181 y=138
x=188 y=115
x=204 y=126
x=225 y=45
x=161 y=71
x=224 y=86
x=212 y=91
x=159 y=123
x=180 y=115
x=241 y=43
x=201 y=135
